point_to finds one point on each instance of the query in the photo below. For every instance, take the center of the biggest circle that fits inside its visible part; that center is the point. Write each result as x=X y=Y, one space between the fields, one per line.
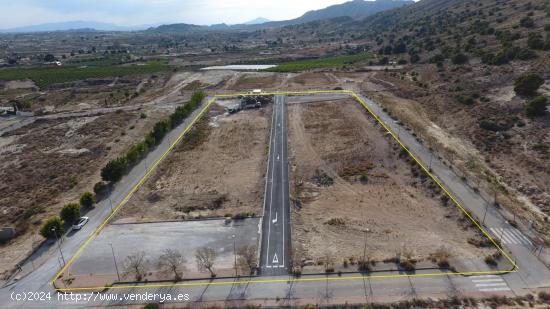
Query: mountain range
x=356 y=9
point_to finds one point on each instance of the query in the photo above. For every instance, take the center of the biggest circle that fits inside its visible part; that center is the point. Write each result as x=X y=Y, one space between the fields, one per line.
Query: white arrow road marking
x=275 y=220
x=275 y=259
x=277 y=157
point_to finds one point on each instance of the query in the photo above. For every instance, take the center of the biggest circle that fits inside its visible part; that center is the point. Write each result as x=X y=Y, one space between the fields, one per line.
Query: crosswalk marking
x=490 y=283
x=510 y=236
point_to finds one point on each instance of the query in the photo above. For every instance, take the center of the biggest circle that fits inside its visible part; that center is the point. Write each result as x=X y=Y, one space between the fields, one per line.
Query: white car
x=78 y=225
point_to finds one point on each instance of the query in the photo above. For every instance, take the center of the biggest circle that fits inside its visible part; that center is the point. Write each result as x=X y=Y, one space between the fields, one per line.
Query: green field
x=47 y=76
x=321 y=63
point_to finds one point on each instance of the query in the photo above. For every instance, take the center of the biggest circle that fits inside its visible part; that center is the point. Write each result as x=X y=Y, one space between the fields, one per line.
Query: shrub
x=534 y=41
x=100 y=188
x=414 y=58
x=544 y=296
x=407 y=265
x=528 y=84
x=536 y=107
x=87 y=200
x=490 y=260
x=322 y=179
x=489 y=125
x=364 y=266
x=114 y=169
x=526 y=54
x=70 y=213
x=52 y=223
x=459 y=58
x=364 y=178
x=527 y=22
x=143 y=115
x=443 y=263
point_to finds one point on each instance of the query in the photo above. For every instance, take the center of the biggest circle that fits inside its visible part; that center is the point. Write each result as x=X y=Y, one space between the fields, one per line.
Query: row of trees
x=69 y=214
x=116 y=168
x=172 y=263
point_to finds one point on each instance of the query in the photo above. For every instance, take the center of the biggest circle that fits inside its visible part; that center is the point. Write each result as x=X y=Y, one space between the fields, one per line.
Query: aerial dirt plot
x=248 y=81
x=216 y=170
x=348 y=175
x=56 y=160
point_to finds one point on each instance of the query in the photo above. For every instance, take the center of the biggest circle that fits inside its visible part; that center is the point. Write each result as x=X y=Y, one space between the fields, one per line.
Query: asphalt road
x=275 y=247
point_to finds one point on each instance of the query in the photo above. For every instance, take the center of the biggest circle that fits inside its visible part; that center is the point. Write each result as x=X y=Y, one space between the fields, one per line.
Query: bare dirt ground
x=249 y=81
x=50 y=162
x=217 y=170
x=400 y=206
x=513 y=162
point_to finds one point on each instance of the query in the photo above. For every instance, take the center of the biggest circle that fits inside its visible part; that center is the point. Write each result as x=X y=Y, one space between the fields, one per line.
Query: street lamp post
x=485 y=213
x=58 y=245
x=365 y=248
x=114 y=259
x=234 y=254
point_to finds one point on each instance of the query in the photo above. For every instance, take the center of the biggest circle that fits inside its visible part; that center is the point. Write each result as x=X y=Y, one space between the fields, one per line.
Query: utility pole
x=114 y=259
x=110 y=200
x=235 y=254
x=58 y=245
x=485 y=213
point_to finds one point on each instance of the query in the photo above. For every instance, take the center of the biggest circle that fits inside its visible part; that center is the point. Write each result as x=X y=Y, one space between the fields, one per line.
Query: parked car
x=80 y=223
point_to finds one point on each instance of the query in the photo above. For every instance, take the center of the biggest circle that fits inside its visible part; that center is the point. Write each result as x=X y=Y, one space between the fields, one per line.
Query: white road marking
x=275 y=220
x=275 y=259
x=510 y=236
x=490 y=283
x=495 y=289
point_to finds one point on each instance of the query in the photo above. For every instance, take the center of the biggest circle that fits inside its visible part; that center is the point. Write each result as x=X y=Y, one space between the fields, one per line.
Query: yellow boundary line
x=180 y=137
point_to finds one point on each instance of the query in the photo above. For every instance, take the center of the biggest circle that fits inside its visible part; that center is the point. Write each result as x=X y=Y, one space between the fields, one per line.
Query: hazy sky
x=15 y=13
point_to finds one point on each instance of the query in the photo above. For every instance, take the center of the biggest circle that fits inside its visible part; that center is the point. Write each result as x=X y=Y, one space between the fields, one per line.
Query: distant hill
x=180 y=28
x=356 y=9
x=74 y=26
x=259 y=20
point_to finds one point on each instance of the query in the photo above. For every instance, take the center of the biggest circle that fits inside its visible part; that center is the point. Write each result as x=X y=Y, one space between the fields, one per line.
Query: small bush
x=544 y=297
x=364 y=178
x=364 y=266
x=407 y=265
x=47 y=229
x=143 y=115
x=70 y=213
x=443 y=263
x=527 y=22
x=322 y=179
x=336 y=221
x=528 y=84
x=459 y=59
x=489 y=125
x=536 y=107
x=490 y=260
x=87 y=200
x=100 y=188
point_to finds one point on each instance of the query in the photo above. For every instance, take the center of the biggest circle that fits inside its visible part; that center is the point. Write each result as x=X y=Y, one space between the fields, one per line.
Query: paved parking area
x=153 y=238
